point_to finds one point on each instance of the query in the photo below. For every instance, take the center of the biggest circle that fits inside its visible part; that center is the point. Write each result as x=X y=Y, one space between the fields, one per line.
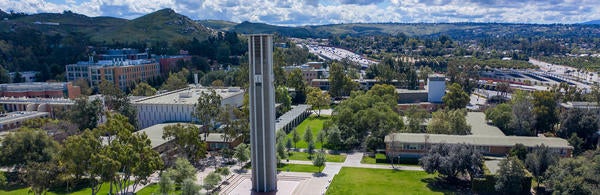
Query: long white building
x=178 y=105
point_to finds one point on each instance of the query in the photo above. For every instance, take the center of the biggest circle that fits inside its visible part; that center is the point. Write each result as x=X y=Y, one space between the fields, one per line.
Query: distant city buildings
x=309 y=72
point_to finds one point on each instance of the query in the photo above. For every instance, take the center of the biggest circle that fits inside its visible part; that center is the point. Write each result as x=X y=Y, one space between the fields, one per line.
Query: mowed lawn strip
x=153 y=189
x=82 y=191
x=328 y=157
x=380 y=181
x=316 y=125
x=298 y=168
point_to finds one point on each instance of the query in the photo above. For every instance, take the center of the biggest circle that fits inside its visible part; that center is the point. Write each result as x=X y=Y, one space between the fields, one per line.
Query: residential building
x=123 y=73
x=40 y=90
x=178 y=105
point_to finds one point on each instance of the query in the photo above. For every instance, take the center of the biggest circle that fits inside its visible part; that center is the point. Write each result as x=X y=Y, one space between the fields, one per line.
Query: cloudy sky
x=303 y=12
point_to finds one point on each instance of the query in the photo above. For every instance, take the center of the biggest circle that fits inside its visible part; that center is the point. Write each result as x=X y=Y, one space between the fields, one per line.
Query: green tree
x=165 y=184
x=296 y=81
x=575 y=175
x=211 y=180
x=4 y=76
x=41 y=175
x=280 y=148
x=581 y=122
x=522 y=121
x=308 y=136
x=76 y=155
x=539 y=160
x=544 y=109
x=176 y=81
x=451 y=160
x=187 y=140
x=311 y=148
x=86 y=113
x=451 y=122
x=208 y=110
x=288 y=144
x=283 y=97
x=510 y=176
x=500 y=115
x=242 y=154
x=143 y=89
x=25 y=146
x=319 y=160
x=317 y=99
x=415 y=117
x=189 y=187
x=340 y=84
x=115 y=99
x=295 y=137
x=456 y=98
x=182 y=170
x=519 y=151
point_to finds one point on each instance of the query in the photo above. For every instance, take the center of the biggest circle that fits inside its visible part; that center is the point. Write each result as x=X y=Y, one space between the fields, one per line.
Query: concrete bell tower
x=262 y=114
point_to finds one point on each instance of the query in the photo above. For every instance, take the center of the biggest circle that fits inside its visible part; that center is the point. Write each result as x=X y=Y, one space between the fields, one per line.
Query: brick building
x=123 y=73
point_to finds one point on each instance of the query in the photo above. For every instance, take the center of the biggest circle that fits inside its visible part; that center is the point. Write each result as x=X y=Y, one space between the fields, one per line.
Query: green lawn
x=297 y=168
x=85 y=190
x=382 y=181
x=153 y=189
x=316 y=125
x=328 y=157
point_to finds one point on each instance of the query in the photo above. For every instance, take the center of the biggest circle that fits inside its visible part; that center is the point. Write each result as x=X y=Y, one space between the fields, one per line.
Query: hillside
x=252 y=28
x=162 y=25
x=159 y=25
x=217 y=24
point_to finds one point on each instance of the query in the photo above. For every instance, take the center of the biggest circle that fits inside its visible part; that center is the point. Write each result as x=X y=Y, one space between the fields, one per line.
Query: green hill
x=252 y=28
x=162 y=25
x=217 y=24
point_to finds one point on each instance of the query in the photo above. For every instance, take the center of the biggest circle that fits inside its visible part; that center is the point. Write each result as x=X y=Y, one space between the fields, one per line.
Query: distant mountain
x=217 y=24
x=161 y=25
x=592 y=22
x=253 y=28
x=3 y=14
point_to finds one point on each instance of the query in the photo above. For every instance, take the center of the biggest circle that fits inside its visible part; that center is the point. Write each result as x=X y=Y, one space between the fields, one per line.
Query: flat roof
x=155 y=133
x=20 y=116
x=479 y=126
x=505 y=141
x=188 y=95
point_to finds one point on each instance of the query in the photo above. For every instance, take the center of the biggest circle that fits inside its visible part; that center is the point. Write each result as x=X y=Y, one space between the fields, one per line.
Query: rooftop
x=478 y=140
x=480 y=127
x=291 y=115
x=155 y=133
x=33 y=86
x=187 y=96
x=586 y=105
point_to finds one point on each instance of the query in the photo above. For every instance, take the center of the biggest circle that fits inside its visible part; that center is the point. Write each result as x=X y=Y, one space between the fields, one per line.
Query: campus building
x=27 y=76
x=40 y=90
x=49 y=105
x=125 y=53
x=178 y=105
x=123 y=73
x=308 y=73
x=13 y=120
x=489 y=140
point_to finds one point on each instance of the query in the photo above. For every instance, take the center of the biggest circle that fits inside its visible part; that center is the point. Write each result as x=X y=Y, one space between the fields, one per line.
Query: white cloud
x=301 y=12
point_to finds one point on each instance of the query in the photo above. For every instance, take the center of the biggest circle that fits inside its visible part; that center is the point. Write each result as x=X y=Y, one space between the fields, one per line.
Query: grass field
x=316 y=125
x=328 y=157
x=383 y=181
x=298 y=168
x=84 y=190
x=152 y=189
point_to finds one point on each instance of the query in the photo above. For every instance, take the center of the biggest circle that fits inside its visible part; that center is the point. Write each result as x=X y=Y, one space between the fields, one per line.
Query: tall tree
x=456 y=98
x=208 y=110
x=308 y=136
x=77 y=153
x=187 y=140
x=242 y=153
x=544 y=109
x=182 y=170
x=522 y=121
x=296 y=81
x=317 y=99
x=451 y=122
x=143 y=89
x=295 y=137
x=583 y=123
x=319 y=160
x=27 y=145
x=450 y=160
x=539 y=160
x=176 y=81
x=510 y=176
x=415 y=118
x=340 y=84
x=575 y=175
x=86 y=113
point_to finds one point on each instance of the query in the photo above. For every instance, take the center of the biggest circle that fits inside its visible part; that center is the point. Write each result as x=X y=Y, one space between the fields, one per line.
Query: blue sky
x=304 y=12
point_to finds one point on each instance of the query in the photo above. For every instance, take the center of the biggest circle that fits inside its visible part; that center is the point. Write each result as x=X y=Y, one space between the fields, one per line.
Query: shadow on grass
x=438 y=184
